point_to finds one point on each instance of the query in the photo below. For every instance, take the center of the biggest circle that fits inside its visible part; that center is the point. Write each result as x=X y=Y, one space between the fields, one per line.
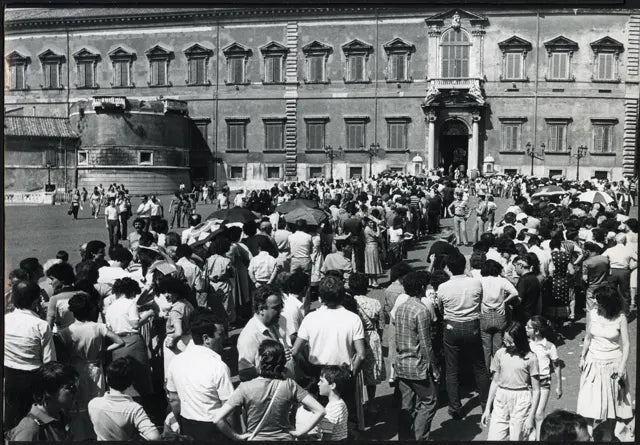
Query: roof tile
x=58 y=127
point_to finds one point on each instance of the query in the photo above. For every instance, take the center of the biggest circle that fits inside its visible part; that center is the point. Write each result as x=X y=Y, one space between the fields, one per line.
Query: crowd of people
x=133 y=341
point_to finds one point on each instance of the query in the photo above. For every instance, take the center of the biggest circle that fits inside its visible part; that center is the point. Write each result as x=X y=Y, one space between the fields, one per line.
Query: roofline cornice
x=271 y=13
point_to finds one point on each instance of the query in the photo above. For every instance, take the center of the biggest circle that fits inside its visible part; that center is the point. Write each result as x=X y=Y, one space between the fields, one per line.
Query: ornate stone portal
x=455 y=77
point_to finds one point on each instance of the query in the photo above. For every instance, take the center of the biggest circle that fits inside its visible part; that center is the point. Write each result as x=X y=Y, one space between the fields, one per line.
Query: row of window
x=455 y=55
x=602 y=131
x=398 y=131
x=276 y=172
x=145 y=158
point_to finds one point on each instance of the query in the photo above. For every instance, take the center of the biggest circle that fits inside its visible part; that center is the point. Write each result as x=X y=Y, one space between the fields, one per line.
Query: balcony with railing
x=455 y=83
x=469 y=87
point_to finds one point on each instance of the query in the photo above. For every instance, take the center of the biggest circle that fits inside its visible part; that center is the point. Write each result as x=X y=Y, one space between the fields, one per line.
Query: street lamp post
x=48 y=175
x=331 y=154
x=581 y=152
x=533 y=154
x=372 y=152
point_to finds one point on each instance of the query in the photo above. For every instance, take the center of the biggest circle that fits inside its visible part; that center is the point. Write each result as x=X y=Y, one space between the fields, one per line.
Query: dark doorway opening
x=453 y=146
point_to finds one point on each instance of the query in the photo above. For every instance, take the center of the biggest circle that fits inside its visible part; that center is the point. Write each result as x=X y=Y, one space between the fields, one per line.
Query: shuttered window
x=158 y=72
x=236 y=70
x=356 y=68
x=559 y=65
x=274 y=135
x=17 y=77
x=316 y=69
x=51 y=79
x=397 y=132
x=121 y=73
x=513 y=66
x=85 y=74
x=510 y=137
x=455 y=54
x=236 y=135
x=602 y=135
x=356 y=134
x=557 y=137
x=315 y=135
x=273 y=69
x=197 y=71
x=397 y=67
x=604 y=66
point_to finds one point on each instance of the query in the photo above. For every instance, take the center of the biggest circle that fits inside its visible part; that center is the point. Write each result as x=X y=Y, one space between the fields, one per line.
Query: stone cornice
x=191 y=17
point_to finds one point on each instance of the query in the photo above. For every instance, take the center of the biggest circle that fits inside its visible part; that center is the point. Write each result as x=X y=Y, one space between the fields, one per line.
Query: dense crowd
x=133 y=341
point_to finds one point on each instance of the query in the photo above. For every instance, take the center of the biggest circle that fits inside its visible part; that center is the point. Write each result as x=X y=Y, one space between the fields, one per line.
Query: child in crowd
x=515 y=388
x=332 y=383
x=540 y=341
x=115 y=416
x=63 y=256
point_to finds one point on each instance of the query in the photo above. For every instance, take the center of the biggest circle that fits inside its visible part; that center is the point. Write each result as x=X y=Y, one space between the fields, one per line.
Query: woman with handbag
x=268 y=399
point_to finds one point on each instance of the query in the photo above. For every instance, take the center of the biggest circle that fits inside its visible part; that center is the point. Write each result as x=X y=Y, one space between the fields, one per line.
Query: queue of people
x=133 y=342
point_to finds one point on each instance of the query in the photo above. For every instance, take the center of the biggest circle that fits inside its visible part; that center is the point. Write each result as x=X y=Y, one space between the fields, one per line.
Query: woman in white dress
x=604 y=396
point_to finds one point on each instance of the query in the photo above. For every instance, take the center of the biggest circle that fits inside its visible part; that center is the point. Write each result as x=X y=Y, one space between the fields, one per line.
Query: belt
x=619 y=268
x=127 y=334
x=513 y=389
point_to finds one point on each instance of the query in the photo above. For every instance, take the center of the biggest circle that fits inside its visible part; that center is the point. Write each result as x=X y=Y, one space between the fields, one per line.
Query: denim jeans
x=462 y=343
x=419 y=405
x=460 y=226
x=492 y=325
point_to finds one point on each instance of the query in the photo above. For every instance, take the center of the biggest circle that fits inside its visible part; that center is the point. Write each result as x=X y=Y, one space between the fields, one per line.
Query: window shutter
x=606 y=138
x=192 y=74
x=597 y=139
x=88 y=71
x=201 y=69
x=316 y=68
x=18 y=76
x=162 y=72
x=445 y=61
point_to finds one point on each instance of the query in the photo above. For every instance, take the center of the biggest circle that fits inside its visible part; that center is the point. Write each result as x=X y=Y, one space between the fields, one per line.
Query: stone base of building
x=139 y=181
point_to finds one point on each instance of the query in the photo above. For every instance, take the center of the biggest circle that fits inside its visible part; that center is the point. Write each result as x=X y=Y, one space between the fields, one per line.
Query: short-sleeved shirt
x=28 y=341
x=84 y=340
x=334 y=424
x=120 y=314
x=513 y=371
x=596 y=268
x=546 y=353
x=255 y=395
x=180 y=312
x=331 y=334
x=116 y=416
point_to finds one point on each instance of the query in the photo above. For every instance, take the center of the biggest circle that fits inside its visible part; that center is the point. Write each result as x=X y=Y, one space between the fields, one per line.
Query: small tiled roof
x=56 y=127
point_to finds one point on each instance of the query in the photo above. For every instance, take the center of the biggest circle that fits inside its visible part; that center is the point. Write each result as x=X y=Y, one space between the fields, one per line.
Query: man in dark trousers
x=441 y=249
x=528 y=290
x=353 y=226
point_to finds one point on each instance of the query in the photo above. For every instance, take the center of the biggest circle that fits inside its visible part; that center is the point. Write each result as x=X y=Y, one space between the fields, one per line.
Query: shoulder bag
x=266 y=413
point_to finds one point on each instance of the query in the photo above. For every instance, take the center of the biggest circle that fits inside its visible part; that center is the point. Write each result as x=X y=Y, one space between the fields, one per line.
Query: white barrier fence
x=35 y=197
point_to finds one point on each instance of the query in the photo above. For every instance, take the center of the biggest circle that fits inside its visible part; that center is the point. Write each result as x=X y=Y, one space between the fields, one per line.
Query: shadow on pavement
x=458 y=430
x=386 y=424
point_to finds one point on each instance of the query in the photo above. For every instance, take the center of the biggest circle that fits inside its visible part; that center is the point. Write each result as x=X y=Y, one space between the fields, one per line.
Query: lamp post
x=581 y=152
x=372 y=152
x=331 y=154
x=533 y=154
x=48 y=176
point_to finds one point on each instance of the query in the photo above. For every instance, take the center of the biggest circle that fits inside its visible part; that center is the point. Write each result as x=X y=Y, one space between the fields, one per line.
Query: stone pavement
x=41 y=231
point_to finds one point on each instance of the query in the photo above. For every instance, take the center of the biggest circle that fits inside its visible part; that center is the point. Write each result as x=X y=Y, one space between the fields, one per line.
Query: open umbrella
x=313 y=217
x=236 y=214
x=294 y=204
x=593 y=196
x=550 y=190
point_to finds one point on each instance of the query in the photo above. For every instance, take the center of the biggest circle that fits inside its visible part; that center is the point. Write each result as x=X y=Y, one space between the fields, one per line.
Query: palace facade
x=272 y=91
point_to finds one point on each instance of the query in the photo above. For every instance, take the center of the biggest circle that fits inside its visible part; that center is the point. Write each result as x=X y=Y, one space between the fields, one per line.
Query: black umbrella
x=236 y=214
x=313 y=217
x=294 y=204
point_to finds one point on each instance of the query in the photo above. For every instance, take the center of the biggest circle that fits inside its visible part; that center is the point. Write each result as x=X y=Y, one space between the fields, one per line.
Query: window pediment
x=84 y=55
x=317 y=48
x=236 y=49
x=561 y=43
x=398 y=45
x=159 y=52
x=50 y=56
x=357 y=47
x=604 y=121
x=15 y=58
x=558 y=120
x=454 y=15
x=274 y=48
x=197 y=50
x=607 y=45
x=122 y=53
x=514 y=44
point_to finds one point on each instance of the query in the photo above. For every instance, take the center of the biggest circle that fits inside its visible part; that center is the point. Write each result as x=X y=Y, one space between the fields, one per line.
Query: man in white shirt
x=281 y=237
x=28 y=344
x=144 y=212
x=334 y=335
x=301 y=245
x=622 y=260
x=238 y=201
x=194 y=220
x=199 y=382
x=120 y=260
x=544 y=256
x=266 y=323
x=263 y=267
x=112 y=222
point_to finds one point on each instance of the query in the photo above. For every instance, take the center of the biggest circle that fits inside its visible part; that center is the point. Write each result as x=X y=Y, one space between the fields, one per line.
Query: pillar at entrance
x=472 y=162
x=431 y=148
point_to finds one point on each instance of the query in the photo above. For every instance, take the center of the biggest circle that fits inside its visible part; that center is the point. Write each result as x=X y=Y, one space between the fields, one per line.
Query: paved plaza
x=41 y=231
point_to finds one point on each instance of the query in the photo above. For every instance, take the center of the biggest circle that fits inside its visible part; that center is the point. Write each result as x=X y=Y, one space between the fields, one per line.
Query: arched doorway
x=453 y=145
